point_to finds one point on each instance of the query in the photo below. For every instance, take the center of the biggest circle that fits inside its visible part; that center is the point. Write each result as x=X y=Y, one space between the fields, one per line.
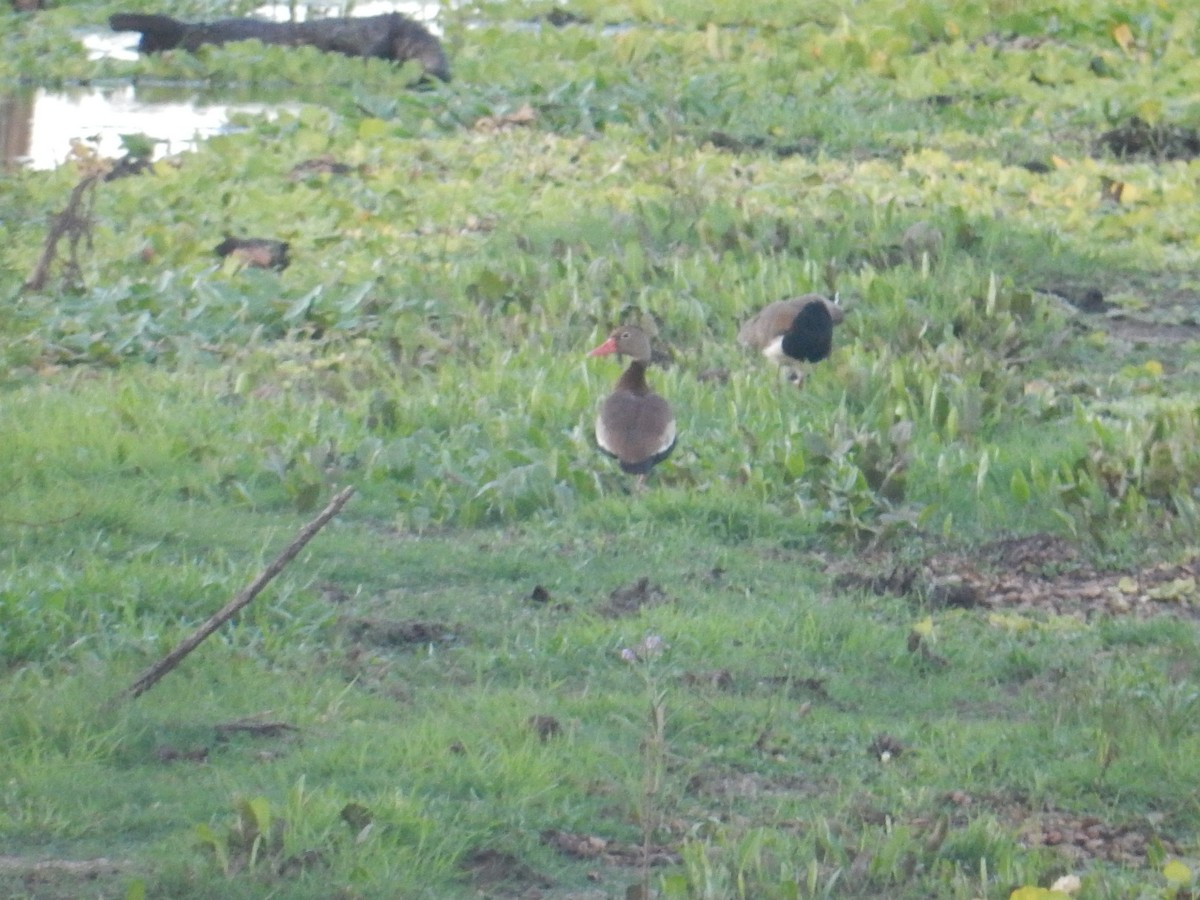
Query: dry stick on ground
x=74 y=223
x=148 y=678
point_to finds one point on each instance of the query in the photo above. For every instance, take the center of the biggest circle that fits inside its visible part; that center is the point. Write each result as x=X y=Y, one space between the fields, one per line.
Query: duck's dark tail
x=158 y=32
x=811 y=336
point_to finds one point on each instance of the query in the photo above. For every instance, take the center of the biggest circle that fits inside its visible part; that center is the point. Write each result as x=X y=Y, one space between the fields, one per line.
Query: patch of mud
x=1138 y=331
x=397 y=633
x=255 y=726
x=62 y=879
x=1138 y=138
x=812 y=688
x=490 y=870
x=1078 y=837
x=167 y=753
x=756 y=143
x=1038 y=573
x=628 y=600
x=715 y=679
x=590 y=846
x=1172 y=319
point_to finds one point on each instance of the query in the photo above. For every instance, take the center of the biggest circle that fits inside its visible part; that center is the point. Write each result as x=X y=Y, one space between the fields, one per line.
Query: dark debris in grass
x=1162 y=141
x=59 y=879
x=397 y=633
x=168 y=754
x=717 y=679
x=1169 y=323
x=1037 y=573
x=1081 y=837
x=254 y=726
x=545 y=727
x=629 y=599
x=590 y=846
x=491 y=869
x=755 y=143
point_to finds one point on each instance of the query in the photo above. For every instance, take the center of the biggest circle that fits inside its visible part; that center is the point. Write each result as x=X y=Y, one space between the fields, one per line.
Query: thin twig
x=148 y=678
x=73 y=223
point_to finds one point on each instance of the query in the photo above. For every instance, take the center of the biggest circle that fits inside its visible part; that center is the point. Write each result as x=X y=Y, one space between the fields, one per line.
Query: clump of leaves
x=1135 y=471
x=253 y=838
x=858 y=477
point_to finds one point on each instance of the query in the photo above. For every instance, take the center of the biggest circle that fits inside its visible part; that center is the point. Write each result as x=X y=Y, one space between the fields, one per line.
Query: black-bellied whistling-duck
x=795 y=331
x=635 y=425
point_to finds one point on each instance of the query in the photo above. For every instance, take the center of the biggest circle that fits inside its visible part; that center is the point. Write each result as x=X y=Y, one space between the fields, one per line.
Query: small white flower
x=1068 y=884
x=651 y=645
x=628 y=655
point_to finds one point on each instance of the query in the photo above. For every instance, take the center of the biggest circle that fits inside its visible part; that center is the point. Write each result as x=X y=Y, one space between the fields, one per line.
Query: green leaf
x=1019 y=487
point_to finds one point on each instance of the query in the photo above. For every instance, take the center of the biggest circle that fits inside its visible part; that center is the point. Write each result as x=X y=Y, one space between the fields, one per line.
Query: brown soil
x=1039 y=573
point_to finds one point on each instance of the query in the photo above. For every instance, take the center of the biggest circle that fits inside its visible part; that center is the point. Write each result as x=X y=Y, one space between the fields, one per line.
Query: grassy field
x=924 y=627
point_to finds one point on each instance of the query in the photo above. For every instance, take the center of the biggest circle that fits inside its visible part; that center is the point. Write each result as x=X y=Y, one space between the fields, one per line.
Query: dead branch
x=74 y=223
x=148 y=678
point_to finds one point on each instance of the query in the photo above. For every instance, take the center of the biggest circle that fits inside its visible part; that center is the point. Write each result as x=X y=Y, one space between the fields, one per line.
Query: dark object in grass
x=254 y=727
x=1085 y=299
x=885 y=747
x=545 y=727
x=397 y=632
x=257 y=253
x=320 y=165
x=1138 y=137
x=560 y=18
x=392 y=36
x=492 y=871
x=167 y=753
x=723 y=141
x=627 y=600
x=129 y=165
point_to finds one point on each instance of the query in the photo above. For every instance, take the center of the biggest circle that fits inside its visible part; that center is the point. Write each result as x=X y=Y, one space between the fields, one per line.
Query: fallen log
x=392 y=36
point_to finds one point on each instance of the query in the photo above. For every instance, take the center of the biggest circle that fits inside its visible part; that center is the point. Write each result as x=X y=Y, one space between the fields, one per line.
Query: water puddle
x=38 y=125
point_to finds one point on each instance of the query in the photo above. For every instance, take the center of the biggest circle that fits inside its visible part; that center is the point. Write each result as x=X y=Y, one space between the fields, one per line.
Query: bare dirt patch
x=1078 y=837
x=62 y=879
x=590 y=846
x=1038 y=573
x=397 y=633
x=627 y=600
x=1138 y=138
x=491 y=870
x=1140 y=331
x=1155 y=327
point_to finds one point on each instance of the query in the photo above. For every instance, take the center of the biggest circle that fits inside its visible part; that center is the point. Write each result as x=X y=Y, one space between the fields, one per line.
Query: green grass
x=812 y=728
